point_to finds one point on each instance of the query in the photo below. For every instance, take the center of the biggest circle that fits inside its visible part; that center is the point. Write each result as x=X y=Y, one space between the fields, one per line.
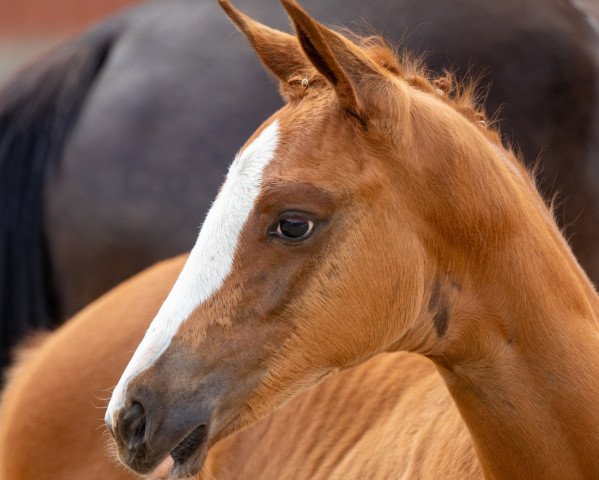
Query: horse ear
x=342 y=63
x=280 y=52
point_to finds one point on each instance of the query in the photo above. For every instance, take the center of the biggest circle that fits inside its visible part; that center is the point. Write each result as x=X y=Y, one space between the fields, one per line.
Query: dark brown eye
x=294 y=228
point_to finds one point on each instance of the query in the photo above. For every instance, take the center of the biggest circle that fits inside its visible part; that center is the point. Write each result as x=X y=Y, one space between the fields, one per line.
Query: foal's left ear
x=344 y=64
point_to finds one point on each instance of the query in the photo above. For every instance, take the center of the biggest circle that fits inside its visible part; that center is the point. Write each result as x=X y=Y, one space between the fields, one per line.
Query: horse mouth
x=188 y=456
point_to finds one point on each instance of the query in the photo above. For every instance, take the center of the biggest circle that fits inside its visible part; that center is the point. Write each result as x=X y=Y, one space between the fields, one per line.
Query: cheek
x=266 y=294
x=359 y=291
x=271 y=276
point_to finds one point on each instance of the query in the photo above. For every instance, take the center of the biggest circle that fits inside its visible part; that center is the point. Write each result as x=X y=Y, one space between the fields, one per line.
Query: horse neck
x=520 y=354
x=522 y=367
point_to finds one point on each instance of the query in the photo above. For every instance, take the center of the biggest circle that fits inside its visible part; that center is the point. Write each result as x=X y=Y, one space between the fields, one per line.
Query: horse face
x=286 y=283
x=289 y=280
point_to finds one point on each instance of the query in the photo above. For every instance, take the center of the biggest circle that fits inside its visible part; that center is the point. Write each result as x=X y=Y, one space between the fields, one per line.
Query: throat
x=521 y=360
x=530 y=421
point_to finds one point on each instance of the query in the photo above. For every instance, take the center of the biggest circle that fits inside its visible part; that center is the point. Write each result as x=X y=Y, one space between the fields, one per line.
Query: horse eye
x=294 y=228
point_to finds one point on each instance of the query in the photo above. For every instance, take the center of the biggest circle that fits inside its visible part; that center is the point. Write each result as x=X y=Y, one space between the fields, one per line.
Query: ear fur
x=342 y=63
x=280 y=52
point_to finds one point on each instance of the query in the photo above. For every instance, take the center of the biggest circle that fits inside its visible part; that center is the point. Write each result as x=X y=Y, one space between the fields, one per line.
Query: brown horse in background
x=114 y=141
x=375 y=213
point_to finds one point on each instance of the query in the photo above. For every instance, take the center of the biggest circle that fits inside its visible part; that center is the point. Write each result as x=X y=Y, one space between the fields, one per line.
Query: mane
x=465 y=95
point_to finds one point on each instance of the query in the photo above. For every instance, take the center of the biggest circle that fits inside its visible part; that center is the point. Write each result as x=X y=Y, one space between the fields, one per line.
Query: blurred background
x=30 y=27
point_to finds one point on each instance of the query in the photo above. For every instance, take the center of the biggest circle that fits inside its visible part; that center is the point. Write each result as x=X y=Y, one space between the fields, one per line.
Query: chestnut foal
x=373 y=213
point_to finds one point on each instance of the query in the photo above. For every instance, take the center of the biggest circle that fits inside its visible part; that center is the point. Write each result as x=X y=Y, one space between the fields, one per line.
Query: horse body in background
x=370 y=216
x=109 y=145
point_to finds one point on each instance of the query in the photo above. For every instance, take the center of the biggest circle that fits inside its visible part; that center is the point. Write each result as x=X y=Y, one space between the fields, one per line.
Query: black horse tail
x=38 y=109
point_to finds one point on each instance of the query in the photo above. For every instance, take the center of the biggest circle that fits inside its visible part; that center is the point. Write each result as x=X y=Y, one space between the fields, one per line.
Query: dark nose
x=131 y=427
x=147 y=430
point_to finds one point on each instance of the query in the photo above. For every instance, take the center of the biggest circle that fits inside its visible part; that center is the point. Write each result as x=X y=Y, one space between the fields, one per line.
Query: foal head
x=321 y=249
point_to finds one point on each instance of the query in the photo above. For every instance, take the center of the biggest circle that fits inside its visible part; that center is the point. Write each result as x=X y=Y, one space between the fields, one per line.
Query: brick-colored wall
x=43 y=17
x=30 y=27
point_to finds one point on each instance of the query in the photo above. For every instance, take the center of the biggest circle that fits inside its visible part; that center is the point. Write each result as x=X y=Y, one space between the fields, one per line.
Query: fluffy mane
x=463 y=95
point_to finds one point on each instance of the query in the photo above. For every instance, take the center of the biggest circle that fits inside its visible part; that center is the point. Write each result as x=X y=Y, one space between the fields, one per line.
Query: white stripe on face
x=210 y=260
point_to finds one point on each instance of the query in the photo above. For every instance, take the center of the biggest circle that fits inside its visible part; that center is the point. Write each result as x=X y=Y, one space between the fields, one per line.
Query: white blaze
x=210 y=260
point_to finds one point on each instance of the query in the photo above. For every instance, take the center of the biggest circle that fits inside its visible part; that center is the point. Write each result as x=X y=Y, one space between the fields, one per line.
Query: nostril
x=132 y=425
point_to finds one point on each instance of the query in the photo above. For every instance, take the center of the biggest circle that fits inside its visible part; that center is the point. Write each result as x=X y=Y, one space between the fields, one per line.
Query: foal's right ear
x=280 y=52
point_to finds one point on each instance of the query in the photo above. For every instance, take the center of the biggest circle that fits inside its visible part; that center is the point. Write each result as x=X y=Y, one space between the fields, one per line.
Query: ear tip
x=291 y=5
x=235 y=15
x=229 y=9
x=296 y=12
